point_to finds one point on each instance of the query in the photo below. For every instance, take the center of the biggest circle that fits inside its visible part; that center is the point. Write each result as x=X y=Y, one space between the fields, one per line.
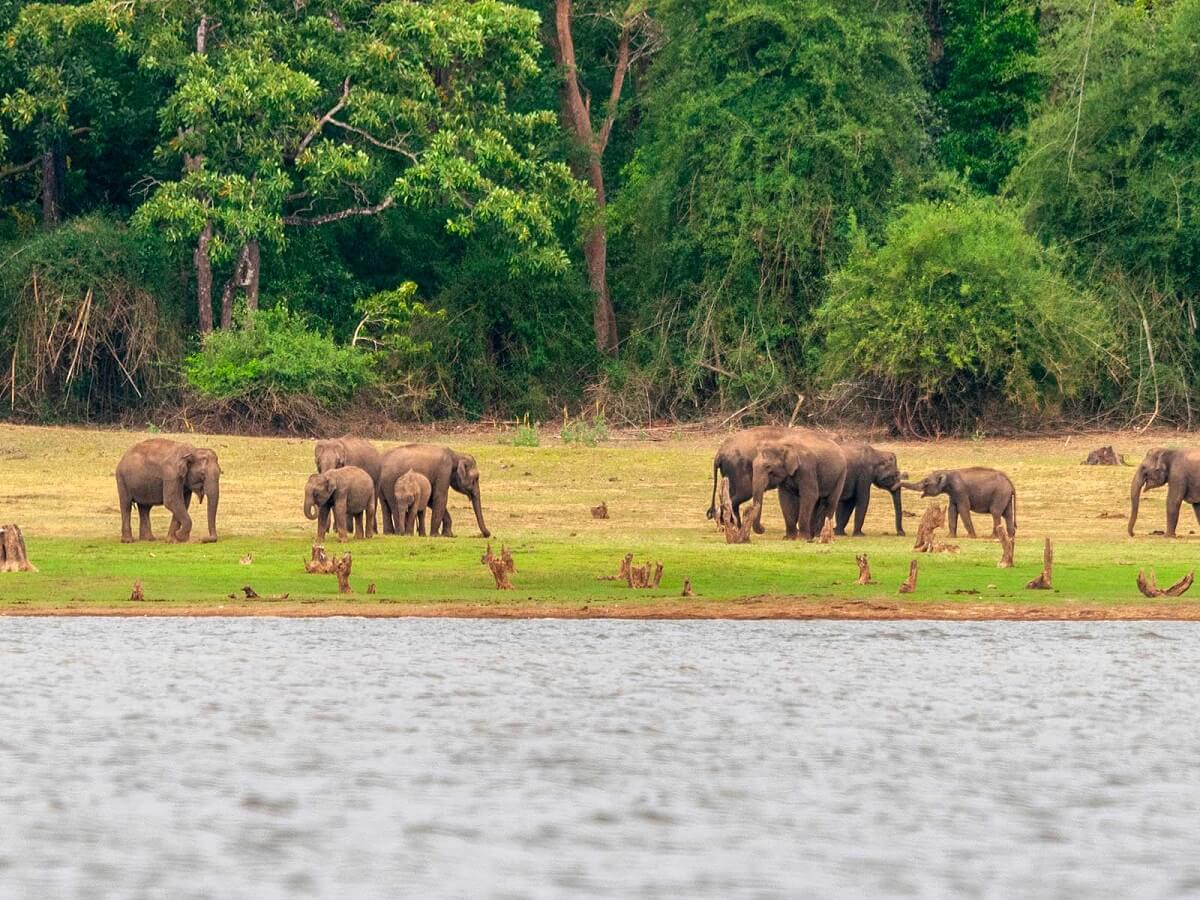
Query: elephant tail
x=1012 y=506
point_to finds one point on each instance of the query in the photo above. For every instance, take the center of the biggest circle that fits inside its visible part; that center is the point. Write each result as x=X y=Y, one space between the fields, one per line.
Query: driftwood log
x=13 y=557
x=1149 y=586
x=1007 y=544
x=601 y=511
x=910 y=583
x=1045 y=581
x=864 y=570
x=500 y=572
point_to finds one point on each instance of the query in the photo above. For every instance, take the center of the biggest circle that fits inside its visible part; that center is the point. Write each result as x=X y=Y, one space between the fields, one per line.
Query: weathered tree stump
x=687 y=588
x=658 y=570
x=500 y=572
x=1044 y=581
x=601 y=511
x=371 y=588
x=1008 y=544
x=622 y=573
x=910 y=584
x=740 y=534
x=341 y=568
x=488 y=556
x=320 y=564
x=826 y=536
x=507 y=559
x=138 y=594
x=13 y=557
x=1150 y=588
x=933 y=519
x=250 y=593
x=1105 y=456
x=864 y=570
x=725 y=517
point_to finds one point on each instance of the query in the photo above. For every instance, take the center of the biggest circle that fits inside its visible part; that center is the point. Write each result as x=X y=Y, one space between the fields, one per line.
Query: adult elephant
x=867 y=467
x=974 y=489
x=349 y=494
x=349 y=450
x=445 y=469
x=1179 y=470
x=807 y=467
x=160 y=472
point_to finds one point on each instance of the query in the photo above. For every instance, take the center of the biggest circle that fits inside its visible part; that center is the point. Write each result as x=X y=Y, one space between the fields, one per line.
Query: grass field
x=57 y=484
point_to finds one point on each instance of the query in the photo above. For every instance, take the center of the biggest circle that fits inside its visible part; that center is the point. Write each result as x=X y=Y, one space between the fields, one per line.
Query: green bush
x=959 y=314
x=274 y=353
x=584 y=431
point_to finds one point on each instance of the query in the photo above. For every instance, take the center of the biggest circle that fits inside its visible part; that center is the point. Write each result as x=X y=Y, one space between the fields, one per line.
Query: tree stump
x=658 y=570
x=1150 y=588
x=371 y=588
x=622 y=573
x=1044 y=581
x=320 y=564
x=138 y=594
x=826 y=533
x=725 y=517
x=739 y=534
x=1105 y=456
x=687 y=588
x=13 y=557
x=933 y=519
x=250 y=593
x=1008 y=544
x=601 y=511
x=910 y=585
x=500 y=572
x=507 y=559
x=488 y=556
x=864 y=570
x=341 y=568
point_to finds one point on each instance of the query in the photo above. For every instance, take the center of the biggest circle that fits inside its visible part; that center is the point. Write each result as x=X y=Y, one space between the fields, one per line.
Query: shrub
x=273 y=356
x=584 y=431
x=526 y=434
x=960 y=312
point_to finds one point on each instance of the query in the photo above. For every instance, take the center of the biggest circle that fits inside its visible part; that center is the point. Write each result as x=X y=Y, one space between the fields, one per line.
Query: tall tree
x=636 y=37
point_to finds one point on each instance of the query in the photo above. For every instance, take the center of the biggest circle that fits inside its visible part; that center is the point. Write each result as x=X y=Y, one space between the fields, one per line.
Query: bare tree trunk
x=253 y=272
x=204 y=280
x=53 y=176
x=577 y=118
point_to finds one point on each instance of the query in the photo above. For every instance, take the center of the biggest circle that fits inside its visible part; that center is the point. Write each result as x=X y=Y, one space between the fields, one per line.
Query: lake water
x=345 y=757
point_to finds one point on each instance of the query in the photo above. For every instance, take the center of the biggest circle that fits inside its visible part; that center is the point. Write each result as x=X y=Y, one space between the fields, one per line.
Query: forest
x=940 y=216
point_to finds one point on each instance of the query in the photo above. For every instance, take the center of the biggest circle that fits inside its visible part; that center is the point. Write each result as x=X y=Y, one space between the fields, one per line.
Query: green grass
x=537 y=502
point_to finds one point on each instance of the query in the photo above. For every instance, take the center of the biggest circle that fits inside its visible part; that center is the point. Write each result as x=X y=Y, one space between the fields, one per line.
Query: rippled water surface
x=345 y=757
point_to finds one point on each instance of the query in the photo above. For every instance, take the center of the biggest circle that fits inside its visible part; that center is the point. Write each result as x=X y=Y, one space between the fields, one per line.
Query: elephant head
x=885 y=473
x=1152 y=472
x=197 y=470
x=773 y=465
x=317 y=492
x=464 y=478
x=930 y=486
x=330 y=455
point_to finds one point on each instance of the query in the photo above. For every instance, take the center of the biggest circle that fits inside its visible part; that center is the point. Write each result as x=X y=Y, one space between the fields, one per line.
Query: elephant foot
x=127 y=539
x=485 y=534
x=791 y=537
x=176 y=539
x=900 y=533
x=208 y=540
x=841 y=532
x=758 y=529
x=857 y=534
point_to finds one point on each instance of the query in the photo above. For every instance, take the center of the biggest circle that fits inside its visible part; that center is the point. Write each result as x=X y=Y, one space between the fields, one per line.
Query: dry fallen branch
x=1044 y=581
x=601 y=511
x=864 y=570
x=1008 y=543
x=910 y=584
x=500 y=572
x=13 y=557
x=1149 y=587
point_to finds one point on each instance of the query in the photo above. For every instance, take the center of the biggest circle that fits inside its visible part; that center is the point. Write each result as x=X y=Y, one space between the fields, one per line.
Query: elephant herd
x=818 y=476
x=824 y=476
x=352 y=480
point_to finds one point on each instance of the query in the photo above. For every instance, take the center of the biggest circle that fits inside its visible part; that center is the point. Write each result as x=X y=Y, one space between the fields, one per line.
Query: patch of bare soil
x=686 y=608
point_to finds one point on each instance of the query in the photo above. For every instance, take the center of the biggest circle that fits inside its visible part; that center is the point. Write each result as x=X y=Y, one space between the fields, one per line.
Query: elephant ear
x=791 y=461
x=461 y=469
x=939 y=482
x=182 y=463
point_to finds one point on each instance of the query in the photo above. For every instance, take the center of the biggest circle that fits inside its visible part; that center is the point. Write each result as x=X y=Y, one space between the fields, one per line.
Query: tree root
x=1149 y=586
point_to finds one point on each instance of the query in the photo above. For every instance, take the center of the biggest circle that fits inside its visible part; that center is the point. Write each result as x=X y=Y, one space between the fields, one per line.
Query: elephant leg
x=372 y=521
x=447 y=524
x=789 y=505
x=952 y=517
x=339 y=516
x=420 y=517
x=1174 y=500
x=965 y=512
x=322 y=523
x=125 y=502
x=1196 y=510
x=997 y=518
x=845 y=507
x=144 y=532
x=861 y=502
x=357 y=519
x=808 y=498
x=389 y=524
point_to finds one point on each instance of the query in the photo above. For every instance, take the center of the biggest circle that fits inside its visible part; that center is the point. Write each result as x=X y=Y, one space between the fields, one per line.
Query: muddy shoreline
x=747 y=609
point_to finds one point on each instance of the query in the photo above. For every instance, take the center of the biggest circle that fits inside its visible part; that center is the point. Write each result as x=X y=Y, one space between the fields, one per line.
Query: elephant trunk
x=895 y=492
x=212 y=493
x=477 y=506
x=912 y=485
x=310 y=504
x=1135 y=496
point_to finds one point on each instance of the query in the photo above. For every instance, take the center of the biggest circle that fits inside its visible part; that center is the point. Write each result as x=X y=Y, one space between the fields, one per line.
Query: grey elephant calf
x=974 y=489
x=160 y=472
x=349 y=493
x=412 y=499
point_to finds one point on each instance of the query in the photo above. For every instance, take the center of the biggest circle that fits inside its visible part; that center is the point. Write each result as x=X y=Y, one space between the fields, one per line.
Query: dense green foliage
x=959 y=313
x=782 y=179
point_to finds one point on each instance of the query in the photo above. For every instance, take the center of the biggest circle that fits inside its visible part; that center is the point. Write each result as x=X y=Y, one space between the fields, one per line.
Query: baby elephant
x=348 y=491
x=412 y=498
x=975 y=489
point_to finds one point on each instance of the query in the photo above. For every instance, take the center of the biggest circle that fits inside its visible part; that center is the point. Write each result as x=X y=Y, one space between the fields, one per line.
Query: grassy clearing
x=57 y=484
